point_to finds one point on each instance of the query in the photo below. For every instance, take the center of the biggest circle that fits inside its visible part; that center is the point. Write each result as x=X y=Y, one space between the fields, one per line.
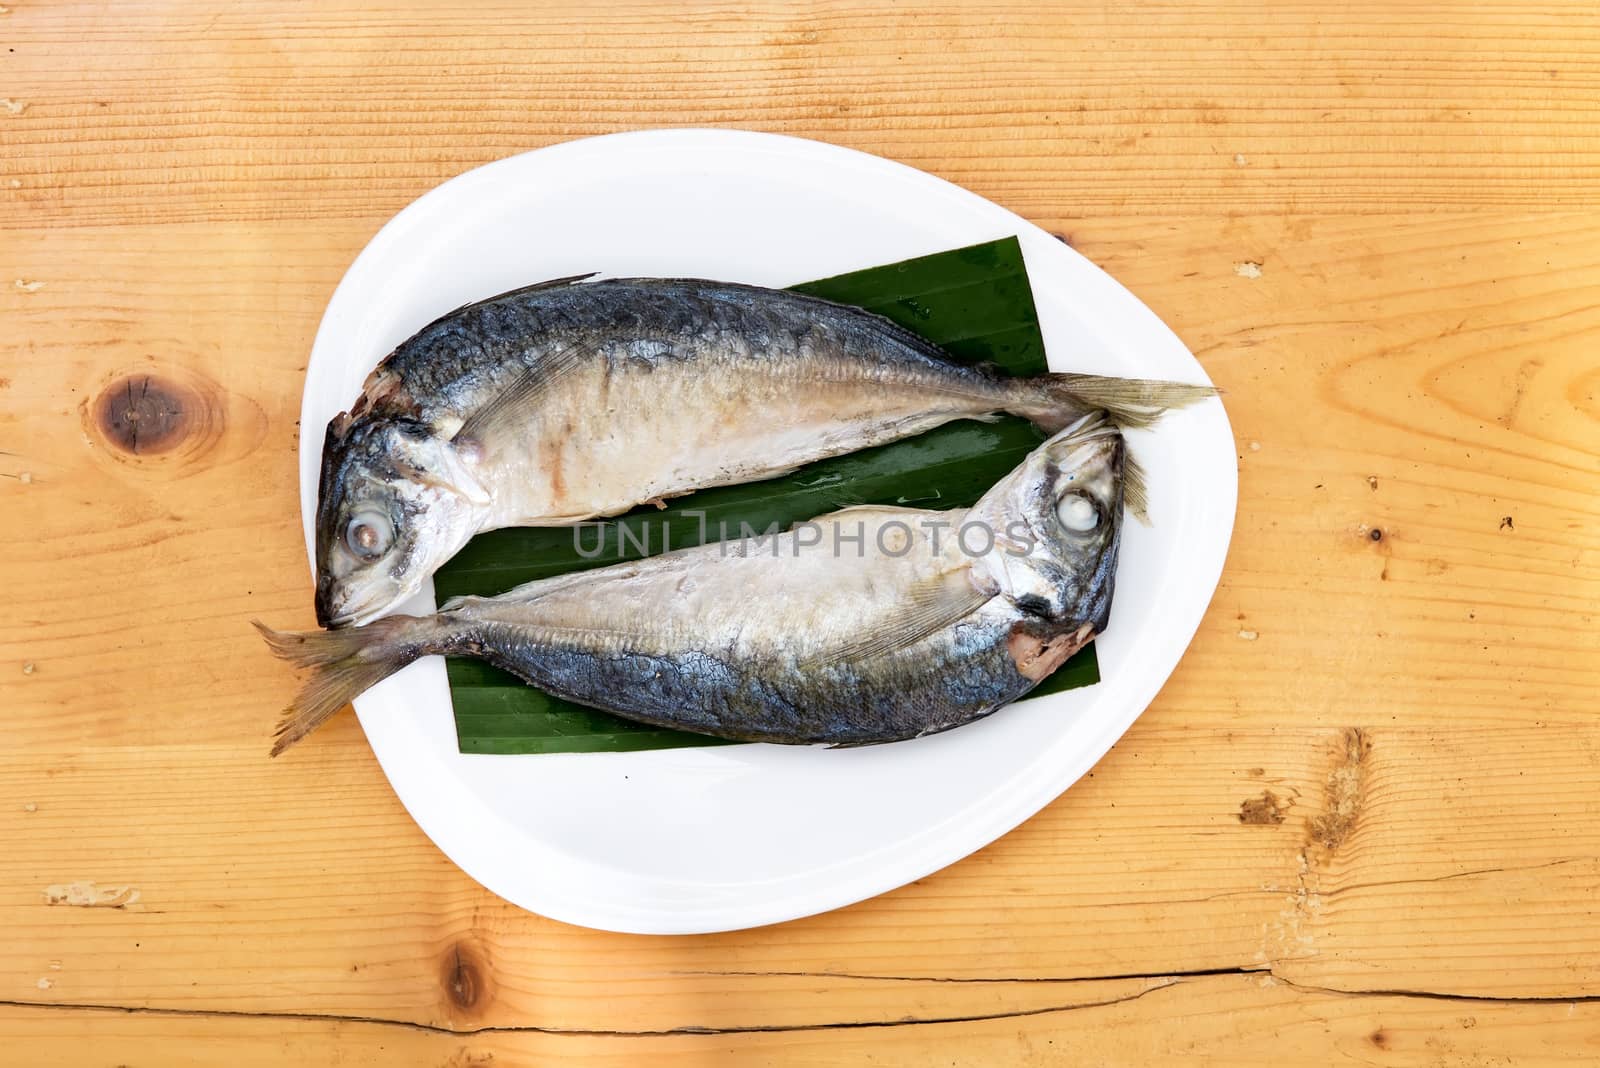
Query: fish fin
x=1135 y=493
x=929 y=606
x=343 y=663
x=548 y=283
x=850 y=509
x=1053 y=401
x=513 y=399
x=551 y=283
x=561 y=520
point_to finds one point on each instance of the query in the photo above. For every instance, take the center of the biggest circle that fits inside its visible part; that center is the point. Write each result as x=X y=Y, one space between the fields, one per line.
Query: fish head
x=395 y=502
x=1057 y=523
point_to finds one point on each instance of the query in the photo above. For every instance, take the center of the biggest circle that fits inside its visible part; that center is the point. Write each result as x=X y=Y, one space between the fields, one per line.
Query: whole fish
x=871 y=624
x=562 y=402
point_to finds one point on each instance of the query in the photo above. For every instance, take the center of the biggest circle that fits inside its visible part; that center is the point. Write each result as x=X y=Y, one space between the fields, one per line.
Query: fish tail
x=343 y=664
x=1054 y=401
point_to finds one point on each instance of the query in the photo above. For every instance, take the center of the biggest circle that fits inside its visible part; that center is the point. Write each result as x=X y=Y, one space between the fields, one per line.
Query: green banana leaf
x=973 y=302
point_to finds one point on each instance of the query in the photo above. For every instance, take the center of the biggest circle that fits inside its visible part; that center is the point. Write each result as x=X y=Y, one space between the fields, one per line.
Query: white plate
x=695 y=840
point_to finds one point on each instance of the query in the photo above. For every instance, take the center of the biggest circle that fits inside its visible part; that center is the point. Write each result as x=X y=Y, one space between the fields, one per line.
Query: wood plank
x=1383 y=863
x=1232 y=1021
x=251 y=111
x=1454 y=617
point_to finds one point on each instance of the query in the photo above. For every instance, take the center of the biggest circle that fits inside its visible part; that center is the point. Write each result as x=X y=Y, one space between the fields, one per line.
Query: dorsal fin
x=519 y=291
x=551 y=283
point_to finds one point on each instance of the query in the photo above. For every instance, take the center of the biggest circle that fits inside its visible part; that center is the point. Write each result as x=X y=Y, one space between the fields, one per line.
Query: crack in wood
x=1160 y=981
x=1381 y=884
x=689 y=1029
x=1174 y=975
x=1336 y=891
x=1441 y=995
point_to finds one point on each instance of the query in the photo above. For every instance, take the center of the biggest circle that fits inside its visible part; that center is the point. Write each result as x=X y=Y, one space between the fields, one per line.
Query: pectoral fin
x=927 y=607
x=516 y=401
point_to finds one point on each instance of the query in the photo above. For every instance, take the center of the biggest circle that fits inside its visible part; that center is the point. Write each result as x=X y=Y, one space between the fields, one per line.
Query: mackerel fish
x=871 y=624
x=564 y=401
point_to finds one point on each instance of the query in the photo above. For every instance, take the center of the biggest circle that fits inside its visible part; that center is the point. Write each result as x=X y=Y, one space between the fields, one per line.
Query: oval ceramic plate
x=693 y=840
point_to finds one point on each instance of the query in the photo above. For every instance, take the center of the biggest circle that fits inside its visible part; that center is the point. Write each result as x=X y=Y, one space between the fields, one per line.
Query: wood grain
x=263 y=110
x=1145 y=869
x=1359 y=823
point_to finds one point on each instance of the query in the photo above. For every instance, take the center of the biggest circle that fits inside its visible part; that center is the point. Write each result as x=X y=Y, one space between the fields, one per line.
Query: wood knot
x=465 y=978
x=144 y=415
x=165 y=423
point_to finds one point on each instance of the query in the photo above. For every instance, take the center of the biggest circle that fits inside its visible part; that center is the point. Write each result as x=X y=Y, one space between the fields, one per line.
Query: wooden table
x=1360 y=822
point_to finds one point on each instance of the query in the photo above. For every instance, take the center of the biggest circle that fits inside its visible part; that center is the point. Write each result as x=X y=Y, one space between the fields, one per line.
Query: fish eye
x=1078 y=513
x=369 y=534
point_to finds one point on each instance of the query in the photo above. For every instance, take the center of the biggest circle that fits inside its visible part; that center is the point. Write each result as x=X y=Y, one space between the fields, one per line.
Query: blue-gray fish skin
x=867 y=625
x=563 y=402
x=952 y=677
